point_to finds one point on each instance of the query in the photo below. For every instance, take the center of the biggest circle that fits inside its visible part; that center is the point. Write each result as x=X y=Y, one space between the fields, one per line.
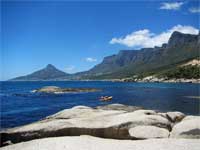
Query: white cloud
x=70 y=69
x=90 y=59
x=171 y=6
x=145 y=38
x=194 y=10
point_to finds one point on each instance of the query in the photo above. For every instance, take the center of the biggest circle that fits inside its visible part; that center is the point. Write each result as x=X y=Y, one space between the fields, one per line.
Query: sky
x=75 y=36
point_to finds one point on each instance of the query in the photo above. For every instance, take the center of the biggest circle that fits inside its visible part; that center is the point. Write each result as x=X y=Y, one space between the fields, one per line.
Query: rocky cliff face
x=181 y=47
x=178 y=38
x=199 y=38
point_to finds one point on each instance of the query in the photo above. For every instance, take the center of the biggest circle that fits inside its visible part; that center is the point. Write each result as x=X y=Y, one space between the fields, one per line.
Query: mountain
x=127 y=63
x=178 y=38
x=48 y=73
x=180 y=47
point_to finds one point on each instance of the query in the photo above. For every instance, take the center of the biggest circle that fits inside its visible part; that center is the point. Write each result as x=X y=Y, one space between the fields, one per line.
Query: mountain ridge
x=180 y=47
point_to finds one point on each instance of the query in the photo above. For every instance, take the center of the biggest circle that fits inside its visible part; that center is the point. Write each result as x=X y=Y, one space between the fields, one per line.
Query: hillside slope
x=181 y=47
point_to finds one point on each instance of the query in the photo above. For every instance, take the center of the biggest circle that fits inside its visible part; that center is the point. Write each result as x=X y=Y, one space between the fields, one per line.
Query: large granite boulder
x=94 y=143
x=175 y=116
x=85 y=120
x=105 y=122
x=147 y=132
x=189 y=127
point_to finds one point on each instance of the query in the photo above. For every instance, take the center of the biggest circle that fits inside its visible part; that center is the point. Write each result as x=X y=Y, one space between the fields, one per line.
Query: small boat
x=106 y=98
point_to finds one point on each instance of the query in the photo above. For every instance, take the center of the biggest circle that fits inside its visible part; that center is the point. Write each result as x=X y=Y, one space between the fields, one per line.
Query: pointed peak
x=50 y=66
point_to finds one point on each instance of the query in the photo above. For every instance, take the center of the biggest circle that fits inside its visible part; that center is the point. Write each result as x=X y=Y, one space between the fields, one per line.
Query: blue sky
x=75 y=36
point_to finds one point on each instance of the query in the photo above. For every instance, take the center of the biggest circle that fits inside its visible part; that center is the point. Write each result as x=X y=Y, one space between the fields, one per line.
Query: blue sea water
x=19 y=106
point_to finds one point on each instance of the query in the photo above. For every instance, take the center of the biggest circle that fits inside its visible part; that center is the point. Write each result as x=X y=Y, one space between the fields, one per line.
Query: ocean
x=19 y=106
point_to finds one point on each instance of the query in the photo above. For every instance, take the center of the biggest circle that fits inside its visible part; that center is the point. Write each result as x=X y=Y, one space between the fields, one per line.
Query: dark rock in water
x=21 y=94
x=58 y=90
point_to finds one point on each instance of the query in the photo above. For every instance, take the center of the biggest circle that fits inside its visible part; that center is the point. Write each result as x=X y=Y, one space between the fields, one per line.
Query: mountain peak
x=50 y=66
x=178 y=38
x=176 y=35
x=50 y=72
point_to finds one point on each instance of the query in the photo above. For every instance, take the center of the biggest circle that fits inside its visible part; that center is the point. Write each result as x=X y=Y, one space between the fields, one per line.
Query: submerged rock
x=58 y=90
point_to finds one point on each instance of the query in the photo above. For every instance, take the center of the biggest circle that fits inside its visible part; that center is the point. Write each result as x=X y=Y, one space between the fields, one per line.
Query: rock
x=175 y=116
x=146 y=112
x=7 y=143
x=139 y=117
x=93 y=143
x=119 y=107
x=146 y=132
x=112 y=121
x=82 y=120
x=189 y=117
x=48 y=89
x=178 y=38
x=58 y=90
x=162 y=114
x=189 y=128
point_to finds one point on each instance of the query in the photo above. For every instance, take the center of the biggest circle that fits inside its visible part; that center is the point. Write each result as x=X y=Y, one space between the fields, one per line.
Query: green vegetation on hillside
x=187 y=72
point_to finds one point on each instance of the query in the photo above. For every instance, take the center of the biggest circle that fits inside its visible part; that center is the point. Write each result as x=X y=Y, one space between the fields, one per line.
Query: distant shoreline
x=196 y=81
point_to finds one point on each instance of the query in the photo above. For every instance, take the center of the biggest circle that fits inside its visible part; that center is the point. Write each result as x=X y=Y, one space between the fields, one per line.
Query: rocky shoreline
x=115 y=121
x=154 y=79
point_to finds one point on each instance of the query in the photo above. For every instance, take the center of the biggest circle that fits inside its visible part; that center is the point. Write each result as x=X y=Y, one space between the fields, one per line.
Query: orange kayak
x=106 y=98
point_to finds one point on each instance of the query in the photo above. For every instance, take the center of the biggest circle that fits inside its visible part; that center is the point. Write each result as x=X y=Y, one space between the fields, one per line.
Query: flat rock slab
x=83 y=120
x=147 y=132
x=93 y=143
x=59 y=90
